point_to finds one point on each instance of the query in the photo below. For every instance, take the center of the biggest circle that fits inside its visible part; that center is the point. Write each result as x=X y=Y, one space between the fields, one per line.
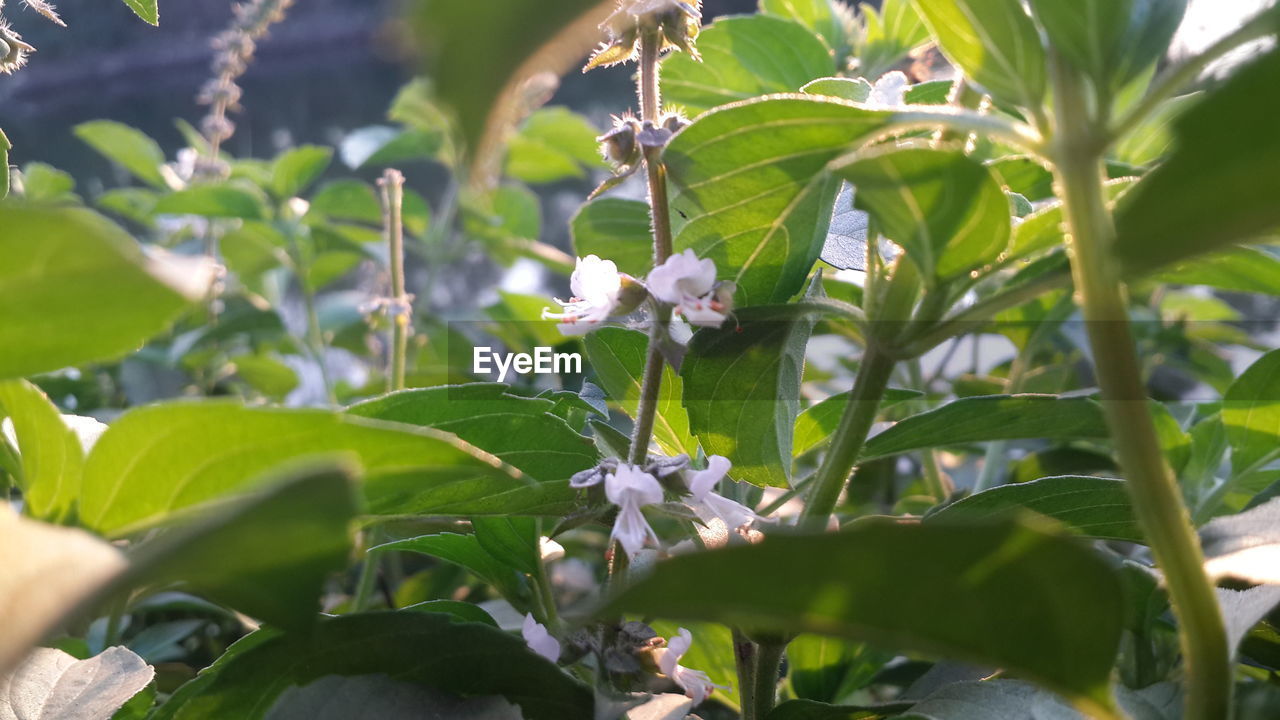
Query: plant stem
x=764 y=689
x=744 y=660
x=938 y=486
x=1153 y=490
x=367 y=579
x=400 y=310
x=659 y=208
x=850 y=435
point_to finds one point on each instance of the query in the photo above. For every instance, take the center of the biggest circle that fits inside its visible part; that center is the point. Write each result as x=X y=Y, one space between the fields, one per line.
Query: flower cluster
x=631 y=487
x=679 y=23
x=233 y=51
x=684 y=281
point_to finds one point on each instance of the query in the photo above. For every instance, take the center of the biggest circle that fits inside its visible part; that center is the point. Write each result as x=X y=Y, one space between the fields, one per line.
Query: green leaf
x=466 y=658
x=1009 y=699
x=215 y=201
x=1095 y=507
x=745 y=57
x=826 y=668
x=994 y=42
x=953 y=602
x=820 y=16
x=75 y=288
x=1241 y=269
x=465 y=551
x=294 y=171
x=347 y=200
x=617 y=356
x=616 y=229
x=477 y=52
x=462 y=610
x=1251 y=412
x=519 y=430
x=45 y=183
x=159 y=459
x=334 y=697
x=1112 y=41
x=145 y=9
x=742 y=391
x=813 y=710
x=127 y=147
x=884 y=38
x=944 y=207
x=1152 y=138
x=712 y=653
x=751 y=190
x=260 y=554
x=1218 y=186
x=52 y=455
x=815 y=425
x=993 y=417
x=554 y=144
x=1046 y=228
x=851 y=89
x=511 y=541
x=54 y=684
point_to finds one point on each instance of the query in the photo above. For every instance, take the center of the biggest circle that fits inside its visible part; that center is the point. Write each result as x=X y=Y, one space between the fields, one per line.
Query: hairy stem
x=1152 y=487
x=763 y=689
x=660 y=210
x=392 y=189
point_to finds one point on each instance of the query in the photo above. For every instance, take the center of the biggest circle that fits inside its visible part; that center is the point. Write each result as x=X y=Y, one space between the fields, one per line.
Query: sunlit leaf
x=994 y=42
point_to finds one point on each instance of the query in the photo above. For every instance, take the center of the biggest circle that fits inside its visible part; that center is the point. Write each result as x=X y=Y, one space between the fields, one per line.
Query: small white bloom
x=539 y=640
x=689 y=282
x=550 y=550
x=631 y=488
x=596 y=285
x=696 y=684
x=890 y=90
x=708 y=505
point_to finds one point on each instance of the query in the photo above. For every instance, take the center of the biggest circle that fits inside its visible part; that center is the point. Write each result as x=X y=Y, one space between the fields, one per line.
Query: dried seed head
x=678 y=21
x=673 y=121
x=46 y=10
x=13 y=52
x=620 y=146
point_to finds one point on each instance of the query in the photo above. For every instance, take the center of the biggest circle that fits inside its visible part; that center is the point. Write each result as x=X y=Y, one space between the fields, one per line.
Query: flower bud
x=674 y=122
x=620 y=145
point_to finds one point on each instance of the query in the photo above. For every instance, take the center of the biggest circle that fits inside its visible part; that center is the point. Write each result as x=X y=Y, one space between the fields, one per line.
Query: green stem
x=1179 y=77
x=1152 y=487
x=935 y=484
x=764 y=689
x=850 y=435
x=315 y=340
x=392 y=187
x=744 y=661
x=367 y=580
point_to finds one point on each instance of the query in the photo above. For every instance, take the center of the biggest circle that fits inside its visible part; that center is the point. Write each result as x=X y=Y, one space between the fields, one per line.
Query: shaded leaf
x=1251 y=413
x=1110 y=40
x=126 y=146
x=54 y=684
x=334 y=697
x=1095 y=507
x=815 y=425
x=618 y=358
x=616 y=229
x=953 y=603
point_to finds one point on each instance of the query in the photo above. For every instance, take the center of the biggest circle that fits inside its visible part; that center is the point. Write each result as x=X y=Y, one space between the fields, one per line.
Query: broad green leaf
x=886 y=36
x=814 y=710
x=954 y=602
x=49 y=571
x=268 y=375
x=1151 y=139
x=815 y=425
x=1218 y=186
x=334 y=697
x=994 y=417
x=512 y=541
x=1046 y=228
x=52 y=455
x=1251 y=412
x=742 y=391
x=555 y=143
x=465 y=658
x=827 y=668
x=519 y=430
x=129 y=148
x=145 y=9
x=75 y=288
x=944 y=207
x=751 y=190
x=160 y=459
x=476 y=53
x=216 y=201
x=51 y=683
x=1095 y=507
x=820 y=16
x=745 y=57
x=268 y=555
x=465 y=551
x=1110 y=40
x=347 y=200
x=1005 y=699
x=45 y=183
x=617 y=356
x=994 y=43
x=616 y=229
x=1241 y=269
x=851 y=89
x=464 y=611
x=294 y=171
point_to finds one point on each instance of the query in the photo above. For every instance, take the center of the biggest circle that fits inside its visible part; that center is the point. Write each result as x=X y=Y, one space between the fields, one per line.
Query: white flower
x=596 y=285
x=696 y=684
x=689 y=283
x=631 y=488
x=708 y=505
x=890 y=90
x=550 y=550
x=539 y=640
